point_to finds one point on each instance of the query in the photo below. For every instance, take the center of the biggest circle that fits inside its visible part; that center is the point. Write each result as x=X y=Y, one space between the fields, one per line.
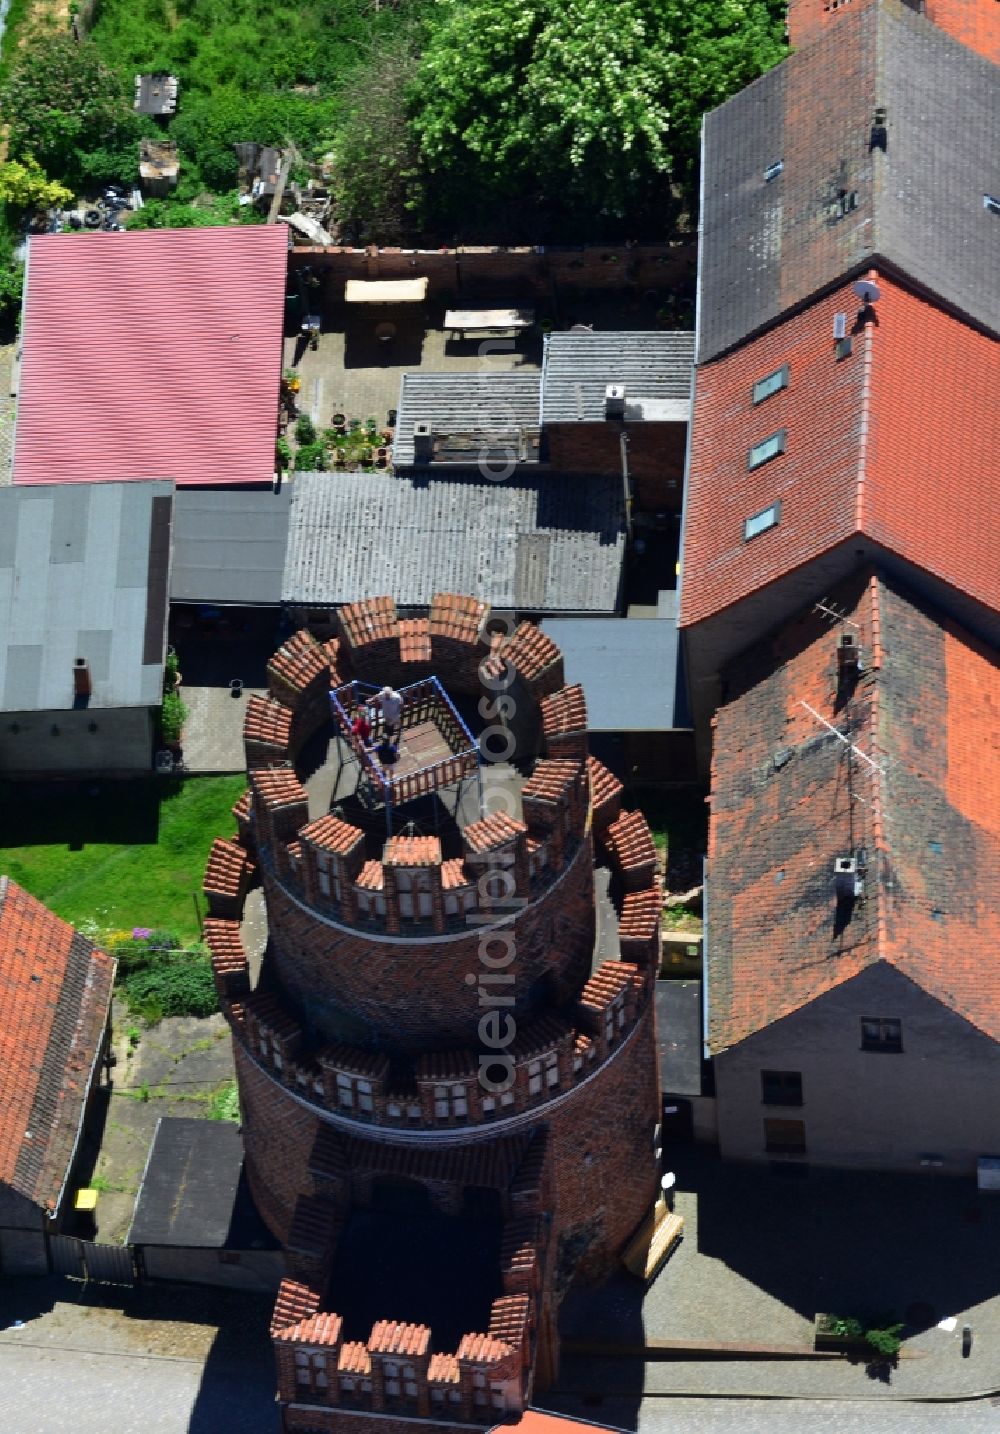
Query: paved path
x=62 y=1391
x=798 y=1416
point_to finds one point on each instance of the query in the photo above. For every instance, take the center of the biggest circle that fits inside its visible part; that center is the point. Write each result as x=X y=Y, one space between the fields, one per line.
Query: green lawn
x=118 y=854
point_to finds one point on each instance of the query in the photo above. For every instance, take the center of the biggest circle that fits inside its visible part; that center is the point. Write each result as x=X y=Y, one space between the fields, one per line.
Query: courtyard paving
x=763 y=1253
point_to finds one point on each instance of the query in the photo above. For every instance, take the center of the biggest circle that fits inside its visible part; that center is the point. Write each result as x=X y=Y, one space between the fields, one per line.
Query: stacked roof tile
x=492 y=832
x=458 y=616
x=564 y=711
x=268 y=722
x=331 y=834
x=389 y=1337
x=414 y=639
x=412 y=851
x=227 y=868
x=368 y=621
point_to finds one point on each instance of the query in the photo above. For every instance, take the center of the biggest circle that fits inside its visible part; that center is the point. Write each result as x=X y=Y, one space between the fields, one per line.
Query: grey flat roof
x=229 y=545
x=541 y=544
x=577 y=369
x=679 y=1039
x=628 y=668
x=83 y=573
x=193 y=1193
x=486 y=403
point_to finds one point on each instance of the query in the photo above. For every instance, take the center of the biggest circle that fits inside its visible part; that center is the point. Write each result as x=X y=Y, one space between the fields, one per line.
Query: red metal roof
x=898 y=442
x=152 y=354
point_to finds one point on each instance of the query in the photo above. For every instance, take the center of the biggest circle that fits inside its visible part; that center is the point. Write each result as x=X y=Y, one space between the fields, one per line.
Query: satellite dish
x=867 y=291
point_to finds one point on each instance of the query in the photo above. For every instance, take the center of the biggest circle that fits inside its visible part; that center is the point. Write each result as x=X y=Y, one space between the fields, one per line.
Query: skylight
x=760 y=522
x=773 y=170
x=768 y=449
x=764 y=387
x=991 y=203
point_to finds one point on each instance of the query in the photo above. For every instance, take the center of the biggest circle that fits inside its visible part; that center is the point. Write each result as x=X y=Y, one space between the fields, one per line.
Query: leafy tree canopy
x=590 y=106
x=24 y=186
x=66 y=109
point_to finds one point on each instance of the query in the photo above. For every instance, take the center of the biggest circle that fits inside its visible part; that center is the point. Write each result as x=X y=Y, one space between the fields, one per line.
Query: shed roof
x=193 y=1193
x=628 y=668
x=152 y=354
x=788 y=798
x=577 y=369
x=229 y=545
x=55 y=991
x=497 y=407
x=553 y=544
x=83 y=573
x=840 y=200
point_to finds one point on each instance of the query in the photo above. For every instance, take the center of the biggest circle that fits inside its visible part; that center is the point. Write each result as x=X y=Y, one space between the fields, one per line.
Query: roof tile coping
x=227 y=866
x=276 y=787
x=294 y=1303
x=321 y=1329
x=609 y=980
x=631 y=841
x=389 y=1337
x=299 y=661
x=564 y=711
x=267 y=720
x=458 y=616
x=551 y=779
x=491 y=832
x=371 y=620
x=331 y=834
x=412 y=851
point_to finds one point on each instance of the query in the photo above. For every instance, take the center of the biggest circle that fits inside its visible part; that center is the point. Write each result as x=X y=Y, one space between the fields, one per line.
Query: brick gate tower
x=446 y=1059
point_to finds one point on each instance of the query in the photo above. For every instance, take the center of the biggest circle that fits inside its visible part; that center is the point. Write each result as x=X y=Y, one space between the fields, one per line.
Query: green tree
x=24 y=186
x=582 y=106
x=63 y=104
x=374 y=151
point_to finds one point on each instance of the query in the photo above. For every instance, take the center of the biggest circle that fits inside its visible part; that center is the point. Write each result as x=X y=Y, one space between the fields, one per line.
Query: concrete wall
x=122 y=741
x=258 y=1270
x=940 y=1096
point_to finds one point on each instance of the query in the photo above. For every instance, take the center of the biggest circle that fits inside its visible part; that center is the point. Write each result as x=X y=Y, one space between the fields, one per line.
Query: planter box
x=825 y=1338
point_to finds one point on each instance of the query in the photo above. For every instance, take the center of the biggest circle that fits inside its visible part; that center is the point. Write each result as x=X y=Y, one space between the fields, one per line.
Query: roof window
x=760 y=522
x=773 y=170
x=765 y=451
x=991 y=203
x=764 y=387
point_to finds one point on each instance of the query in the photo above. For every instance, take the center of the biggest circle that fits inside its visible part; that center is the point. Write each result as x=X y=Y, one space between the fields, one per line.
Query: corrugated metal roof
x=554 y=543
x=629 y=669
x=83 y=573
x=577 y=369
x=455 y=403
x=152 y=354
x=229 y=545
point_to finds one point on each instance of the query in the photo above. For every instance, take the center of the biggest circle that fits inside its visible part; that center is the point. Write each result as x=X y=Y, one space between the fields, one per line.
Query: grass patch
x=115 y=855
x=678 y=818
x=225 y=1103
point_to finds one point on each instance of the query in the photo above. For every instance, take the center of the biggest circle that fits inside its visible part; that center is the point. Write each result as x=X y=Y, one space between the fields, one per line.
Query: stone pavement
x=151 y=1360
x=763 y=1253
x=213 y=732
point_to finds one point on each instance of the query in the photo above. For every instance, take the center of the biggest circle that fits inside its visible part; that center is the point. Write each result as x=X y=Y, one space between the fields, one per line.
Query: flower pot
x=339 y=420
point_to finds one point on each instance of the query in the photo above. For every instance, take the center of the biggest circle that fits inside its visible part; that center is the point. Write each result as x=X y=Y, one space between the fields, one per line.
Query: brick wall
x=655 y=457
x=452 y=272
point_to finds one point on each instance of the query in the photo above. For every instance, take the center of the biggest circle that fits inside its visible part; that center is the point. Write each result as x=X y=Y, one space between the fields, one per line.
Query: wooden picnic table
x=484 y=321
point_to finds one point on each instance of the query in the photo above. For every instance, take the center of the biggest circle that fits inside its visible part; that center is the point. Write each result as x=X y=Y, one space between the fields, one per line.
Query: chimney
x=847 y=879
x=614 y=400
x=848 y=654
x=423 y=443
x=81 y=678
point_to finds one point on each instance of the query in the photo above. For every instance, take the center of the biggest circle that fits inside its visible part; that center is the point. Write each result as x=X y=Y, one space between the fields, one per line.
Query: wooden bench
x=487 y=321
x=649 y=1247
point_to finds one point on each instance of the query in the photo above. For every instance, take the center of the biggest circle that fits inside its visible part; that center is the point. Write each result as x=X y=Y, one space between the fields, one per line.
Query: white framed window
x=773 y=383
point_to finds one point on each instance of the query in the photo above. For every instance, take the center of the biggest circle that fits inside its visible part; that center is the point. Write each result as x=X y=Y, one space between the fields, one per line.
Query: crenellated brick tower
x=446 y=1060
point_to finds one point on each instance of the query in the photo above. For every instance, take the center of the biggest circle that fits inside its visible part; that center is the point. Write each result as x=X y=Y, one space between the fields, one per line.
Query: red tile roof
x=55 y=989
x=388 y=1337
x=152 y=354
x=412 y=851
x=333 y=835
x=492 y=832
x=368 y=620
x=926 y=712
x=879 y=444
x=534 y=1422
x=458 y=616
x=414 y=639
x=976 y=23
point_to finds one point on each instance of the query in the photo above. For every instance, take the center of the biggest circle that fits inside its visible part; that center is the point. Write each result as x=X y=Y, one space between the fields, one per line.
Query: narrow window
x=764 y=387
x=781 y=1087
x=881 y=1034
x=760 y=522
x=769 y=448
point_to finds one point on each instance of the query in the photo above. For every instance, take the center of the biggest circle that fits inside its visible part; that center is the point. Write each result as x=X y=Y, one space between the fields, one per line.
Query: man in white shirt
x=391 y=704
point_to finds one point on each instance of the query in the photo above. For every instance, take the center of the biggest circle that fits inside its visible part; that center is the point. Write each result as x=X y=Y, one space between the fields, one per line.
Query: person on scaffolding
x=389 y=702
x=361 y=728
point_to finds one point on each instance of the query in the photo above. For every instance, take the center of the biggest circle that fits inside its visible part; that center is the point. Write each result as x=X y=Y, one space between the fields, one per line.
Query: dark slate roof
x=610 y=657
x=55 y=992
x=678 y=1036
x=193 y=1193
x=541 y=544
x=495 y=407
x=918 y=791
x=577 y=369
x=229 y=545
x=83 y=573
x=768 y=247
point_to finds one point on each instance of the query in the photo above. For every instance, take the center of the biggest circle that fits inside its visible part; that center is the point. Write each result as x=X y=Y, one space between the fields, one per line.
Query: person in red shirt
x=361 y=728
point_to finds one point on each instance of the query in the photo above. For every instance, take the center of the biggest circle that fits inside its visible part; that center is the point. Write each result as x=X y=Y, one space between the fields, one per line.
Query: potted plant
x=292 y=380
x=381 y=457
x=339 y=421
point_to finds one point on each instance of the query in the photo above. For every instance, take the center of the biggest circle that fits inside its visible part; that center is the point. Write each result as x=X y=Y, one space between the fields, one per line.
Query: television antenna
x=834 y=613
